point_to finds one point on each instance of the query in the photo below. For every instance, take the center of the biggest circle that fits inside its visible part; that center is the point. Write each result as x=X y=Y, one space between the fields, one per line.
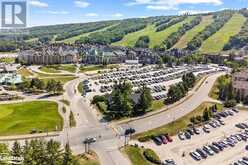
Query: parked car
x=168 y=138
x=195 y=156
x=157 y=140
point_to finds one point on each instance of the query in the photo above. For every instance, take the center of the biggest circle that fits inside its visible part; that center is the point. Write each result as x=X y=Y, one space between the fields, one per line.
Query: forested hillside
x=206 y=33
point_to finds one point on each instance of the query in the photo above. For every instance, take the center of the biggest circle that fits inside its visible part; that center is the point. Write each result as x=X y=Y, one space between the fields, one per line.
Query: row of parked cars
x=188 y=133
x=242 y=161
x=217 y=147
x=214 y=123
x=162 y=139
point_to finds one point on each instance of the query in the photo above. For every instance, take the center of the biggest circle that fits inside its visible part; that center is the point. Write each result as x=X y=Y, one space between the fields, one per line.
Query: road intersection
x=108 y=135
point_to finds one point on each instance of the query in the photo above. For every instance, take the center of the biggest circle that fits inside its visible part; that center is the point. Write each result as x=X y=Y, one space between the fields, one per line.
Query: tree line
x=220 y=19
x=142 y=42
x=121 y=102
x=35 y=84
x=115 y=33
x=170 y=23
x=39 y=152
x=179 y=90
x=175 y=37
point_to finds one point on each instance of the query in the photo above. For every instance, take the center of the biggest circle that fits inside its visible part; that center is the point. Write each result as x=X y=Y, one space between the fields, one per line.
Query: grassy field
x=216 y=42
x=62 y=79
x=157 y=104
x=156 y=38
x=25 y=72
x=48 y=69
x=7 y=60
x=180 y=124
x=75 y=38
x=58 y=68
x=97 y=67
x=135 y=155
x=80 y=87
x=189 y=35
x=21 y=118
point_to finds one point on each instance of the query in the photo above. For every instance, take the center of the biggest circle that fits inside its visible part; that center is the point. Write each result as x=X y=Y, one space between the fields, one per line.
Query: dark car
x=202 y=153
x=164 y=139
x=187 y=135
x=157 y=140
x=215 y=149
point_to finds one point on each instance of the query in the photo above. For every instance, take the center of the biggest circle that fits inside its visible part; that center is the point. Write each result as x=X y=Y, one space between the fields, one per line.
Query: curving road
x=108 y=140
x=174 y=113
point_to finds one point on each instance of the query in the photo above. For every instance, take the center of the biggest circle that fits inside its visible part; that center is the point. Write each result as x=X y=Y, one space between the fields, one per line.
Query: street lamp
x=128 y=132
x=87 y=143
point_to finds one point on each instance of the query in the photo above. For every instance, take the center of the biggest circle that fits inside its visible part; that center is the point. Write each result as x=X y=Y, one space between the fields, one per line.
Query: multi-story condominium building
x=240 y=83
x=61 y=54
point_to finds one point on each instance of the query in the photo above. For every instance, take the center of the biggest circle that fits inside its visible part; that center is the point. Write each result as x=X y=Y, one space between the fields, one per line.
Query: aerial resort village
x=166 y=90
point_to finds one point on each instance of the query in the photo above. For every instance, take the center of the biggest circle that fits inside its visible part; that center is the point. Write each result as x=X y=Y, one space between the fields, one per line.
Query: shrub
x=144 y=138
x=101 y=106
x=151 y=156
x=98 y=99
x=64 y=110
x=230 y=103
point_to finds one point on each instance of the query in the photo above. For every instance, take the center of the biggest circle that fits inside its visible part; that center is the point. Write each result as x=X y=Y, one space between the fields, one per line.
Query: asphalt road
x=108 y=141
x=148 y=123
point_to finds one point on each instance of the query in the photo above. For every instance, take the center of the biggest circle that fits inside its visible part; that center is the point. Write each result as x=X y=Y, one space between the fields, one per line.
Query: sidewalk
x=30 y=136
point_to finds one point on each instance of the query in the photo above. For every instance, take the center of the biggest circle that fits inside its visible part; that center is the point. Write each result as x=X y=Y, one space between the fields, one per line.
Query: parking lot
x=157 y=79
x=223 y=144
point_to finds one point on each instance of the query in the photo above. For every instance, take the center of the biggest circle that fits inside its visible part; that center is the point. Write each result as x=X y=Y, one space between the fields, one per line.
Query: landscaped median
x=141 y=156
x=29 y=117
x=178 y=125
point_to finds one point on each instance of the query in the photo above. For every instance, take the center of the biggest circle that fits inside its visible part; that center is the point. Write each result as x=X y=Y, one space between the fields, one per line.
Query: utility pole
x=128 y=133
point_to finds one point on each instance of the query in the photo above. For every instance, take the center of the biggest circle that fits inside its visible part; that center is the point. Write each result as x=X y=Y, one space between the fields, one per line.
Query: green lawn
x=62 y=79
x=156 y=38
x=7 y=60
x=25 y=72
x=135 y=155
x=21 y=118
x=189 y=35
x=216 y=42
x=157 y=104
x=178 y=125
x=58 y=68
x=97 y=67
x=80 y=87
x=75 y=38
x=48 y=69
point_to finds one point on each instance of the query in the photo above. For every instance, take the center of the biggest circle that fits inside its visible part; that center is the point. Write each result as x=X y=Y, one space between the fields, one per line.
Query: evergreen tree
x=145 y=101
x=68 y=157
x=53 y=153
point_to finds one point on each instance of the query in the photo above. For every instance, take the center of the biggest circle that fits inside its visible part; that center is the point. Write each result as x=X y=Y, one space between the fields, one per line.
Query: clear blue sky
x=48 y=12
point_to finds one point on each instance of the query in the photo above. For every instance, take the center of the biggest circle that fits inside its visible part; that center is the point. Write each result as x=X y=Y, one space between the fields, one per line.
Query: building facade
x=49 y=55
x=240 y=84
